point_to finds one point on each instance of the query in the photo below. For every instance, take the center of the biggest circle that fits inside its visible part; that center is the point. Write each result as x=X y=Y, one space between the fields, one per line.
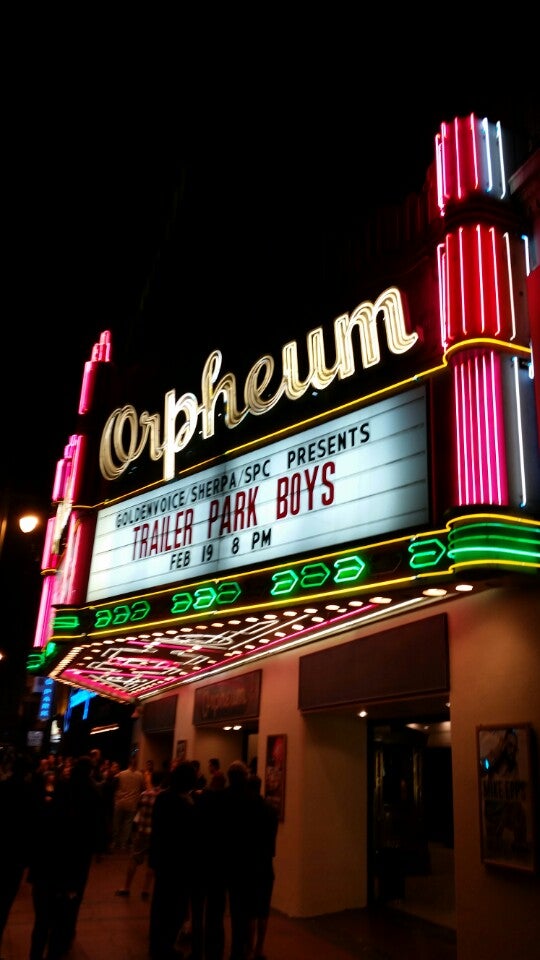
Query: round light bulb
x=28 y=523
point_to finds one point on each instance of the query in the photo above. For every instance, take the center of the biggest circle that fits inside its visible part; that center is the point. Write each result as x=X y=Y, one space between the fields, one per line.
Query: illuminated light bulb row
x=286 y=630
x=156 y=637
x=443 y=592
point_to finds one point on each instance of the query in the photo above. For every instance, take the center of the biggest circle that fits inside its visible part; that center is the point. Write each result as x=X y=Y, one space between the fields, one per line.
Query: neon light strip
x=458 y=160
x=481 y=278
x=42 y=632
x=87 y=387
x=485 y=127
x=458 y=393
x=470 y=419
x=446 y=192
x=482 y=438
x=48 y=559
x=469 y=452
x=510 y=284
x=482 y=429
x=449 y=297
x=519 y=421
x=487 y=421
x=69 y=565
x=474 y=151
x=496 y=461
x=501 y=159
x=503 y=345
x=441 y=263
x=498 y=428
x=101 y=353
x=76 y=476
x=462 y=282
x=497 y=331
x=525 y=239
x=494 y=537
x=439 y=164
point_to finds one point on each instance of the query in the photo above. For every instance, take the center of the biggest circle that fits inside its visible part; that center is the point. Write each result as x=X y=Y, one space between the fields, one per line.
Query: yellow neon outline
x=503 y=345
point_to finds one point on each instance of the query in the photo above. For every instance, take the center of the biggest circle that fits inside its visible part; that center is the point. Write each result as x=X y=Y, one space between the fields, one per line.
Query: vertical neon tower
x=70 y=533
x=481 y=312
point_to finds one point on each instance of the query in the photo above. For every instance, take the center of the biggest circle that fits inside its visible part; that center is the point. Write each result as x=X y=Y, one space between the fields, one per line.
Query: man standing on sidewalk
x=141 y=842
x=130 y=785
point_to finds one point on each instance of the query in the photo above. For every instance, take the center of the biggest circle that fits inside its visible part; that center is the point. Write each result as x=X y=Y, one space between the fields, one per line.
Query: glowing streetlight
x=27 y=518
x=28 y=522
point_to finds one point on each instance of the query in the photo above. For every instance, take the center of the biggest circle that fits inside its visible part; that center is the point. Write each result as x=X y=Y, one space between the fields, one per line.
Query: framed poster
x=181 y=750
x=274 y=772
x=507 y=796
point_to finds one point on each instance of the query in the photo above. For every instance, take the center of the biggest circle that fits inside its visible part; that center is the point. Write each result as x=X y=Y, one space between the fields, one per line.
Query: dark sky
x=100 y=165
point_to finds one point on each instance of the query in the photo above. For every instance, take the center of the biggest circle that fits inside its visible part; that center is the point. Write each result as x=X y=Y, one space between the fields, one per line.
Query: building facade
x=330 y=563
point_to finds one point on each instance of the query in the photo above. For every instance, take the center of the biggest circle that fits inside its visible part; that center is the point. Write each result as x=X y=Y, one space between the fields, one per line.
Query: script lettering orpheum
x=126 y=435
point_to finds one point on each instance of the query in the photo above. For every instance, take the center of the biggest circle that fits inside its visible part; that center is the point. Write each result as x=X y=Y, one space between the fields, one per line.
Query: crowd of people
x=206 y=847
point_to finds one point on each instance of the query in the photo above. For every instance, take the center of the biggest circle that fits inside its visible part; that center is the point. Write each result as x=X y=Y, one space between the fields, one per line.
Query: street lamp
x=22 y=508
x=28 y=522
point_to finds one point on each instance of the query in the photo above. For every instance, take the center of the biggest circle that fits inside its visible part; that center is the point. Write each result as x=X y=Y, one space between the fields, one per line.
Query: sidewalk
x=117 y=927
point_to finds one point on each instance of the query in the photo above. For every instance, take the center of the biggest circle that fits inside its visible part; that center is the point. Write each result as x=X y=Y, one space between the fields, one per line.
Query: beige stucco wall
x=495 y=678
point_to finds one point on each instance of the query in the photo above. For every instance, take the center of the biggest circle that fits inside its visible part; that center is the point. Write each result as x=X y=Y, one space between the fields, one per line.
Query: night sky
x=254 y=161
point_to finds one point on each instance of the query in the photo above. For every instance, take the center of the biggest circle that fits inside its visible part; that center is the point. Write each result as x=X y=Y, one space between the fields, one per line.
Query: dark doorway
x=411 y=811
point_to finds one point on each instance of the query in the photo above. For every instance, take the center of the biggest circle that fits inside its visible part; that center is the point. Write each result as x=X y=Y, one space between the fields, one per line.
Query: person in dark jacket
x=248 y=847
x=64 y=833
x=208 y=912
x=84 y=828
x=172 y=857
x=15 y=798
x=263 y=851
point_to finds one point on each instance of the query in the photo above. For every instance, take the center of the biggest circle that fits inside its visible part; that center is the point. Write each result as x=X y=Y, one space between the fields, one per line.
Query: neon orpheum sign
x=355 y=477
x=127 y=434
